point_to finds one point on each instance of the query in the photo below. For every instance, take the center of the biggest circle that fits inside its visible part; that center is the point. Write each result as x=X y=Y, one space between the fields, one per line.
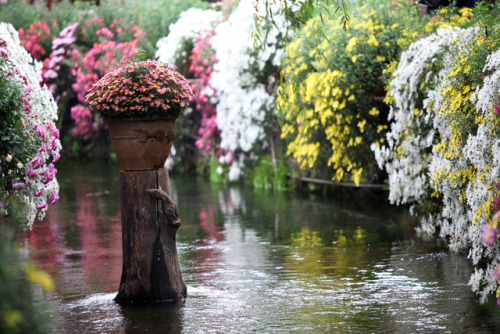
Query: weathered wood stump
x=151 y=271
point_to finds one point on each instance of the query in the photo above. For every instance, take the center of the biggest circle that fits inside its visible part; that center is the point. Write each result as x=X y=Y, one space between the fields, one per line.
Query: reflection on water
x=254 y=261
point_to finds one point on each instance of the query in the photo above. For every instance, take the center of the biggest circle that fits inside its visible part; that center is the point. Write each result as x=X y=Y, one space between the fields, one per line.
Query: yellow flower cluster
x=330 y=101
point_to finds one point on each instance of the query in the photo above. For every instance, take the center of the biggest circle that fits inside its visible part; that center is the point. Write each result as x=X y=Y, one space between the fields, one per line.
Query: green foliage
x=269 y=174
x=12 y=139
x=18 y=313
x=152 y=16
x=19 y=13
x=296 y=14
x=183 y=57
x=485 y=13
x=215 y=167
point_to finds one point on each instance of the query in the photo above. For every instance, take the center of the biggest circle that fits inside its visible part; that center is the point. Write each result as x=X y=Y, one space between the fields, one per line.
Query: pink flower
x=495 y=273
x=489 y=235
x=18 y=185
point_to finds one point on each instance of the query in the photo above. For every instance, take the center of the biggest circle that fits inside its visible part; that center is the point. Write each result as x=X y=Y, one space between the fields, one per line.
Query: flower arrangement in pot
x=139 y=102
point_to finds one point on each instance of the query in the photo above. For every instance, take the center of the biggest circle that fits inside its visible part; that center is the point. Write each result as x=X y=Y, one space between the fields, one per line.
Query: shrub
x=331 y=101
x=443 y=145
x=28 y=135
x=90 y=66
x=183 y=33
x=19 y=13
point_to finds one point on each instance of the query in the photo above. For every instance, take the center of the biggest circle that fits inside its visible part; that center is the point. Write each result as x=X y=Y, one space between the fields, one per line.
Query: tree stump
x=151 y=271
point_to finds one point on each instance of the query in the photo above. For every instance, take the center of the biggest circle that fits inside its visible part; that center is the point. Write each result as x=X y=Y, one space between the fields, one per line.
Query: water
x=255 y=262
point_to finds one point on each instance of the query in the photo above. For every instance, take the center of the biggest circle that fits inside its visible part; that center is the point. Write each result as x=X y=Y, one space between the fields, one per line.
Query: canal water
x=255 y=261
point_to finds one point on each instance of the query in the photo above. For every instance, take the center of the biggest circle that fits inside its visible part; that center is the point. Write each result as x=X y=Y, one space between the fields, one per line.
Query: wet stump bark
x=151 y=271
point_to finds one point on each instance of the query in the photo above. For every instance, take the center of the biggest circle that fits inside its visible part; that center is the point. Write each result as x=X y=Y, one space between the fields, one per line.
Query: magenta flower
x=489 y=235
x=497 y=107
x=42 y=206
x=496 y=202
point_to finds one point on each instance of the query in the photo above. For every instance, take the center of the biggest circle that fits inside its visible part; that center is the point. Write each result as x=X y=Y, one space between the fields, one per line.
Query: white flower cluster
x=190 y=24
x=245 y=104
x=33 y=185
x=411 y=137
x=424 y=156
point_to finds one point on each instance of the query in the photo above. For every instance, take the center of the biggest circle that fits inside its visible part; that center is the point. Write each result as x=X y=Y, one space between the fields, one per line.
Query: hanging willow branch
x=296 y=13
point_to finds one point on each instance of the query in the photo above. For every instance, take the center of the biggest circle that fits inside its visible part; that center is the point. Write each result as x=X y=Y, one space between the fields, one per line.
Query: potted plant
x=139 y=102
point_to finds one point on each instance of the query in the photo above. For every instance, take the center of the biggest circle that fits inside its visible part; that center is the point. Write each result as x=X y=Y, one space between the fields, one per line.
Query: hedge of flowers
x=442 y=151
x=28 y=135
x=77 y=56
x=235 y=87
x=332 y=98
x=203 y=59
x=77 y=45
x=243 y=79
x=90 y=66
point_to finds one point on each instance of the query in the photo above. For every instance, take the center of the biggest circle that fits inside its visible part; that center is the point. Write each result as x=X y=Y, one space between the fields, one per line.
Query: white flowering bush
x=29 y=143
x=244 y=79
x=190 y=24
x=443 y=149
x=410 y=141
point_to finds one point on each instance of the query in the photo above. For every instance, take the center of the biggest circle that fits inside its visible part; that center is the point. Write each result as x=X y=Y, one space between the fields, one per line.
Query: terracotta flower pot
x=142 y=144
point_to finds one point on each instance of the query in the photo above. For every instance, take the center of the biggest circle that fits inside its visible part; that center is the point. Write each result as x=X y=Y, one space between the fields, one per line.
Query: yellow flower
x=351 y=44
x=356 y=176
x=372 y=40
x=12 y=318
x=380 y=58
x=361 y=125
x=354 y=58
x=381 y=128
x=374 y=111
x=339 y=174
x=37 y=276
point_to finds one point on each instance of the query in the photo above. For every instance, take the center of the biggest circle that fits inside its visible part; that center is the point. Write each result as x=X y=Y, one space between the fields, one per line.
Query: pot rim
x=137 y=119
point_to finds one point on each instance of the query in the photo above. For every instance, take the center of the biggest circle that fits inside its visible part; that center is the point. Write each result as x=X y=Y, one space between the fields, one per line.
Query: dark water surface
x=255 y=261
